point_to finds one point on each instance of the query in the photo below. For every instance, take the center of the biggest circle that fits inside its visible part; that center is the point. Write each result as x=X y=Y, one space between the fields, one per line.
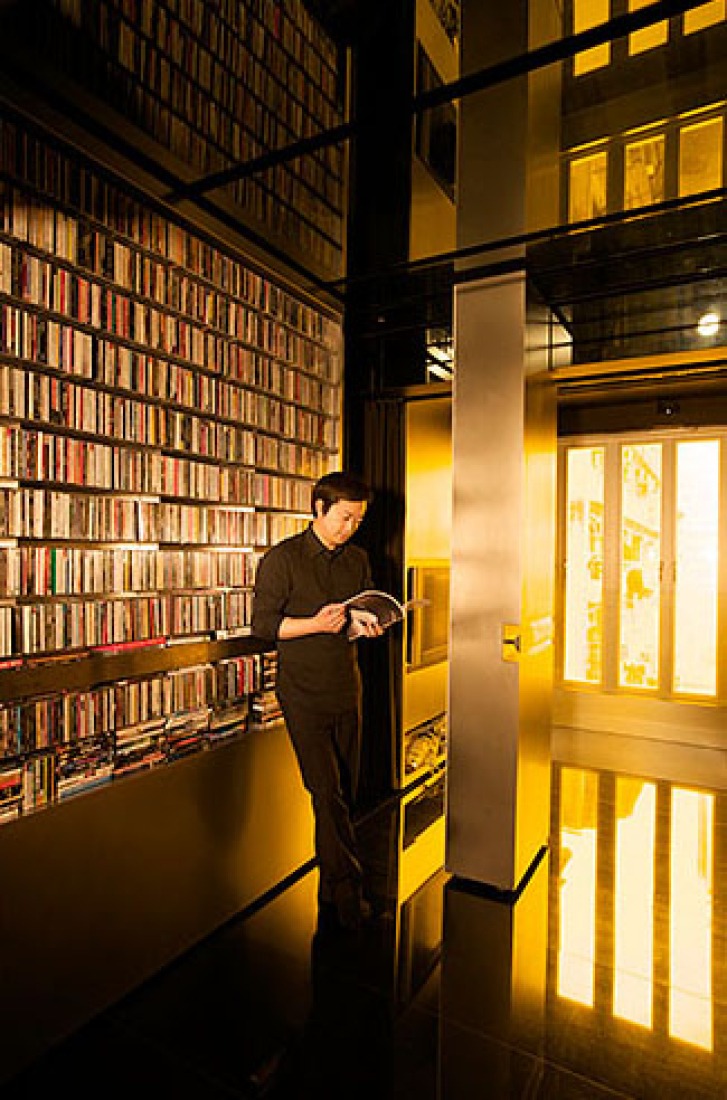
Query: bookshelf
x=165 y=408
x=214 y=85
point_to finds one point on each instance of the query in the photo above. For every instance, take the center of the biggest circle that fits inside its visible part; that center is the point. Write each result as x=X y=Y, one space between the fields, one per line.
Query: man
x=300 y=589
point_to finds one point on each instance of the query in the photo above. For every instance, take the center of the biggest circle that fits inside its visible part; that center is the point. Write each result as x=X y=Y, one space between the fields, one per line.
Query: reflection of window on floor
x=640 y=542
x=611 y=901
x=649 y=37
x=587 y=187
x=587 y=14
x=577 y=900
x=633 y=910
x=644 y=172
x=706 y=15
x=690 y=918
x=700 y=156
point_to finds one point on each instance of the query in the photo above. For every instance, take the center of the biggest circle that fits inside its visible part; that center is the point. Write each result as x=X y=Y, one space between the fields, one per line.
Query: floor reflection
x=606 y=977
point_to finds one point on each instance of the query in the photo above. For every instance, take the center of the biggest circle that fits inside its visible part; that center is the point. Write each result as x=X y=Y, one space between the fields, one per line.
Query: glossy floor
x=607 y=977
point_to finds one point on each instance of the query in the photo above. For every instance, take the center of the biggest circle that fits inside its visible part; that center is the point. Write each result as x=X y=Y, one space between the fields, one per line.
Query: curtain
x=382 y=661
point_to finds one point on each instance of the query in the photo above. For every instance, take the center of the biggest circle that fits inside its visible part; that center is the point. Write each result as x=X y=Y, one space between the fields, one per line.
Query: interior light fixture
x=708 y=324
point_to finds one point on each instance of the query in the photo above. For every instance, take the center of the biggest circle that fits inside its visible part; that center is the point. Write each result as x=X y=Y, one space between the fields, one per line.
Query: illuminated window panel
x=583 y=611
x=697 y=544
x=577 y=886
x=700 y=156
x=640 y=541
x=587 y=187
x=691 y=918
x=644 y=172
x=633 y=981
x=649 y=37
x=587 y=14
x=706 y=15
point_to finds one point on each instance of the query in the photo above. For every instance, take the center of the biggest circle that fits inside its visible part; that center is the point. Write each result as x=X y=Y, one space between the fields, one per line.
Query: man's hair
x=339 y=486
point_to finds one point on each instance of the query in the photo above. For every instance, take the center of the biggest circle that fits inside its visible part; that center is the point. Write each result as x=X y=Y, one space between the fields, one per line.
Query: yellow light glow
x=706 y=15
x=577 y=892
x=640 y=595
x=691 y=917
x=697 y=573
x=587 y=14
x=649 y=37
x=584 y=551
x=634 y=901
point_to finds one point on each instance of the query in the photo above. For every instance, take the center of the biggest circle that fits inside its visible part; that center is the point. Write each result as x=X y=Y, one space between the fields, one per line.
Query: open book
x=373 y=606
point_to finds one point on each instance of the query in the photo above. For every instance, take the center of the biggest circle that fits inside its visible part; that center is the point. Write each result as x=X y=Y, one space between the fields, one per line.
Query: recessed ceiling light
x=708 y=324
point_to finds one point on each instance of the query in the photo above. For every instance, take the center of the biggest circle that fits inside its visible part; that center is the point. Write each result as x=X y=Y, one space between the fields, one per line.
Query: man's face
x=342 y=520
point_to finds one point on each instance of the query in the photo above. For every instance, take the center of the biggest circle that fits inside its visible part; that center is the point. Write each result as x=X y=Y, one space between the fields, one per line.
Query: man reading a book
x=300 y=589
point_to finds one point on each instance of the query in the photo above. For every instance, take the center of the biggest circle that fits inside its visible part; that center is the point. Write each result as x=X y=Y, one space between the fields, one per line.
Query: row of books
x=54 y=515
x=70 y=743
x=168 y=104
x=69 y=295
x=79 y=623
x=171 y=58
x=80 y=407
x=234 y=424
x=36 y=230
x=235 y=123
x=51 y=180
x=290 y=23
x=30 y=455
x=313 y=245
x=39 y=571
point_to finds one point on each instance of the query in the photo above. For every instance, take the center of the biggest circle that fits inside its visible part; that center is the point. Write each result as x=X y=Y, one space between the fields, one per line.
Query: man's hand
x=331 y=618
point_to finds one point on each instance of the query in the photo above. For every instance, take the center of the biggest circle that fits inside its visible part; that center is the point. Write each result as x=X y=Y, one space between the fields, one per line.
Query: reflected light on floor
x=577 y=894
x=633 y=986
x=690 y=918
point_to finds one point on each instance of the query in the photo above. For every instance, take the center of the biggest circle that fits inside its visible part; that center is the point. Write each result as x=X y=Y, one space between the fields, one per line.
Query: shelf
x=87 y=669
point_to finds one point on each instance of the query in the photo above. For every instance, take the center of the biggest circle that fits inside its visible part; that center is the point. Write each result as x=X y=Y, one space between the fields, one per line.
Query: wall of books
x=217 y=84
x=164 y=411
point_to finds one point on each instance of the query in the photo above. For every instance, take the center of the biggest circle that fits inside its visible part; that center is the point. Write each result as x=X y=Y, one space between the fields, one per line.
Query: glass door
x=640 y=561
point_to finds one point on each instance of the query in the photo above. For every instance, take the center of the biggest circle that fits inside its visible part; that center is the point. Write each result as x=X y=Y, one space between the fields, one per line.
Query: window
x=435 y=132
x=587 y=14
x=640 y=533
x=650 y=37
x=584 y=565
x=644 y=172
x=691 y=917
x=587 y=187
x=700 y=156
x=696 y=556
x=706 y=15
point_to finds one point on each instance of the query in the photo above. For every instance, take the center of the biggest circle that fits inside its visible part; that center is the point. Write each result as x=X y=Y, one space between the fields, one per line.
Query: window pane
x=690 y=917
x=586 y=14
x=700 y=157
x=640 y=565
x=583 y=616
x=706 y=15
x=633 y=980
x=649 y=37
x=695 y=598
x=644 y=172
x=587 y=187
x=577 y=889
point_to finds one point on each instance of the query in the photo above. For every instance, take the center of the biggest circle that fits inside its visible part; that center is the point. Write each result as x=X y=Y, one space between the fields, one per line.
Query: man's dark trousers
x=328 y=748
